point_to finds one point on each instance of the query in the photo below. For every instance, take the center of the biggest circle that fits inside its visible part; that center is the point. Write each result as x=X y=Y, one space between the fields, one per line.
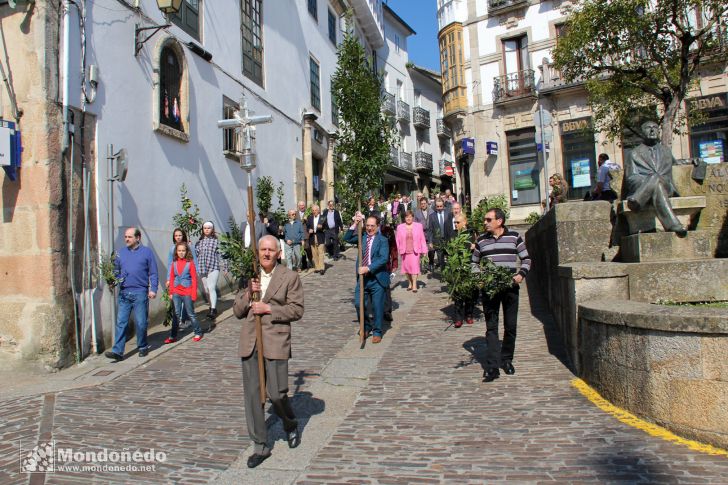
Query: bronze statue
x=648 y=179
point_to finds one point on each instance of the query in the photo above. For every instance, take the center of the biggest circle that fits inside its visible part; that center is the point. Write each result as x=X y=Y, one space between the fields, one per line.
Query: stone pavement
x=412 y=409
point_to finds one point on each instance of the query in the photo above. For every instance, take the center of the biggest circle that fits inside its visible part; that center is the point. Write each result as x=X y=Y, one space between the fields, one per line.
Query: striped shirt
x=504 y=251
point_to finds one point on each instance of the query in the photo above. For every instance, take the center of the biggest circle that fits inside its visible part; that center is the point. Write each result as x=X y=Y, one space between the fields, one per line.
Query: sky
x=421 y=15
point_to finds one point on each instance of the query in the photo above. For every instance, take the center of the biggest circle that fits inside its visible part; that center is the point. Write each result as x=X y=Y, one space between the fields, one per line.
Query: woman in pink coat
x=411 y=244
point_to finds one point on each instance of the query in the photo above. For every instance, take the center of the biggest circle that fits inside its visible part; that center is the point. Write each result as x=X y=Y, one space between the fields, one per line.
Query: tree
x=637 y=54
x=365 y=133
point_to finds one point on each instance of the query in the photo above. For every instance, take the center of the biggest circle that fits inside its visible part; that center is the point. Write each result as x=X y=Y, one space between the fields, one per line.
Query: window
x=400 y=90
x=418 y=98
x=250 y=27
x=229 y=142
x=515 y=54
x=523 y=166
x=188 y=18
x=170 y=80
x=709 y=138
x=561 y=30
x=332 y=27
x=580 y=161
x=313 y=8
x=315 y=84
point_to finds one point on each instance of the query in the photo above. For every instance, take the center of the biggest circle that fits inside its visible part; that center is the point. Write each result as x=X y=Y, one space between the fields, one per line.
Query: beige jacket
x=285 y=297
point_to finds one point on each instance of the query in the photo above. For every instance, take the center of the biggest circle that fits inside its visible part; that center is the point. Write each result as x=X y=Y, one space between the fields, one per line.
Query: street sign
x=542 y=118
x=468 y=145
x=449 y=171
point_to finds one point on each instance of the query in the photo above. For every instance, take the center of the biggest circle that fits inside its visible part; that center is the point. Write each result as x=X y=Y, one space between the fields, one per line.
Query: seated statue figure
x=648 y=179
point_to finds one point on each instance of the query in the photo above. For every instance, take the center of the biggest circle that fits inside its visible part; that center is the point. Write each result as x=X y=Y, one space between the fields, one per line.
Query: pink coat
x=418 y=238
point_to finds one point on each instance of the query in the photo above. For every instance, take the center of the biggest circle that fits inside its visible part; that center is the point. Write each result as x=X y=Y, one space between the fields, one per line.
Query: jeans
x=293 y=256
x=496 y=354
x=375 y=291
x=128 y=301
x=184 y=304
x=209 y=283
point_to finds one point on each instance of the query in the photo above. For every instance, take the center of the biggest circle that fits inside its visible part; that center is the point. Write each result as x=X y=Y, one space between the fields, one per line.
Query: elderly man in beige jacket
x=281 y=303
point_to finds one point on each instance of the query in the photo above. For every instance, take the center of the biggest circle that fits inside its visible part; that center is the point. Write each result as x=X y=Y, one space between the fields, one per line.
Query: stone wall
x=36 y=319
x=666 y=364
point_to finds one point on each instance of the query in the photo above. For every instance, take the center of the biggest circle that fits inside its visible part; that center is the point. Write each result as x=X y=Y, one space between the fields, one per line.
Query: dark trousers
x=464 y=308
x=440 y=258
x=374 y=296
x=496 y=354
x=332 y=243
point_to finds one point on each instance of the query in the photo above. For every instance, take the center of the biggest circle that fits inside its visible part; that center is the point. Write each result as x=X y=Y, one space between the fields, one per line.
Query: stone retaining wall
x=666 y=364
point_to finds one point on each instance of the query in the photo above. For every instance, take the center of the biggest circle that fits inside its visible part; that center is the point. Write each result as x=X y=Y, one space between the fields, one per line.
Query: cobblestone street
x=412 y=409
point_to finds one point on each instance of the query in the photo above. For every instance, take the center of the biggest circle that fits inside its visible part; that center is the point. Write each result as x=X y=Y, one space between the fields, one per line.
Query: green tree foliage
x=281 y=214
x=533 y=218
x=478 y=216
x=264 y=194
x=461 y=281
x=188 y=219
x=232 y=249
x=637 y=54
x=365 y=133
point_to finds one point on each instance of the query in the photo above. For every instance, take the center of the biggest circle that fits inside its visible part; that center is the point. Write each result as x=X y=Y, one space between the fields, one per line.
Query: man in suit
x=648 y=179
x=307 y=257
x=265 y=224
x=281 y=304
x=317 y=238
x=437 y=227
x=334 y=224
x=375 y=255
x=450 y=229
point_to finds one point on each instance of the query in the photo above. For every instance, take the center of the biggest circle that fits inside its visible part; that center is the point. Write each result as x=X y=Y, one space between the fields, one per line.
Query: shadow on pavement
x=476 y=346
x=542 y=313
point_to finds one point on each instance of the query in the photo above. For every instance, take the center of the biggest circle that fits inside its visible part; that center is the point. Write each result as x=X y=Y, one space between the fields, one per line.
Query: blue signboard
x=468 y=145
x=491 y=147
x=11 y=140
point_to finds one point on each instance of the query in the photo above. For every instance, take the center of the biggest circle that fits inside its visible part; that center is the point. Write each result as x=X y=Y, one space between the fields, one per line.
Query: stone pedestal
x=685 y=208
x=667 y=246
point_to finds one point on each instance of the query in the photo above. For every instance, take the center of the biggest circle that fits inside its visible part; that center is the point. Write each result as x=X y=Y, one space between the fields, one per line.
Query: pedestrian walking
x=179 y=235
x=333 y=225
x=208 y=256
x=182 y=284
x=136 y=267
x=317 y=238
x=411 y=244
x=375 y=254
x=281 y=304
x=504 y=248
x=293 y=235
x=439 y=232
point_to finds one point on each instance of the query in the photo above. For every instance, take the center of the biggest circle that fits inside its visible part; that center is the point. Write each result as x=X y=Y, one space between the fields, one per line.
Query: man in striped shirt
x=504 y=248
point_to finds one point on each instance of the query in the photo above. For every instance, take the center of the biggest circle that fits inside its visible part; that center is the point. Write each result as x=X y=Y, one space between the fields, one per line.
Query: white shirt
x=315 y=223
x=265 y=280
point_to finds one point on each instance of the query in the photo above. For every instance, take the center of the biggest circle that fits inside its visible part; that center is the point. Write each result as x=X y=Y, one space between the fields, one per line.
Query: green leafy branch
x=188 y=219
x=233 y=250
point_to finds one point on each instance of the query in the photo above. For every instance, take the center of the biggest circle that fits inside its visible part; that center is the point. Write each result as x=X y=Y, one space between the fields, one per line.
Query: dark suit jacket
x=380 y=255
x=449 y=229
x=422 y=219
x=338 y=223
x=318 y=231
x=433 y=227
x=285 y=296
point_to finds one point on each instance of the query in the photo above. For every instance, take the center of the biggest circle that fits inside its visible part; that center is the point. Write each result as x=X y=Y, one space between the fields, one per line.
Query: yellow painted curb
x=630 y=419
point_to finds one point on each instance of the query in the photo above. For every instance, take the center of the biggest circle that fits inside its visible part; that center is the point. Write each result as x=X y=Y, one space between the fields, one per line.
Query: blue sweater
x=293 y=232
x=137 y=268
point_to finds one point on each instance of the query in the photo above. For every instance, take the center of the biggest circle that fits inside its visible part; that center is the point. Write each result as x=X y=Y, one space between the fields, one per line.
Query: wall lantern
x=167 y=7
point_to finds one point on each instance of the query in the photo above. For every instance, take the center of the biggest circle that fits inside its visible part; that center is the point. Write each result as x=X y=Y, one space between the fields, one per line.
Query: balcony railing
x=499 y=6
x=405 y=161
x=423 y=162
x=421 y=117
x=388 y=103
x=443 y=131
x=394 y=156
x=551 y=78
x=514 y=85
x=403 y=111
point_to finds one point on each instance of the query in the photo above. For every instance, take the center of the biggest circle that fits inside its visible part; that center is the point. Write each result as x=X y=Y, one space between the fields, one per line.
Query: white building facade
x=158 y=94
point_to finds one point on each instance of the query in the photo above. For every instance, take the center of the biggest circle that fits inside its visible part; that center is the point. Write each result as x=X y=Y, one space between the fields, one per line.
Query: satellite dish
x=121 y=166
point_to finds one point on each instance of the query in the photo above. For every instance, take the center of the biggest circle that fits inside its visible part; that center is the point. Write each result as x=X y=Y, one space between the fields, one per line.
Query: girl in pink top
x=183 y=290
x=411 y=244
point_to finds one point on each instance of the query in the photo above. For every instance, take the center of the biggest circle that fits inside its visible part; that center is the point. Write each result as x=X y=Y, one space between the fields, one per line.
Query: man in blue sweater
x=136 y=267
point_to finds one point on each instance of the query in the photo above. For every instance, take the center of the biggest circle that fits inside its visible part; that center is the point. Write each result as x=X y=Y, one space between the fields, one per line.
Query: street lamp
x=166 y=7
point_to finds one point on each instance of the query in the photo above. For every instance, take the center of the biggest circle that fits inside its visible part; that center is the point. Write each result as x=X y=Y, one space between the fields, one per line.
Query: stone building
x=91 y=78
x=497 y=74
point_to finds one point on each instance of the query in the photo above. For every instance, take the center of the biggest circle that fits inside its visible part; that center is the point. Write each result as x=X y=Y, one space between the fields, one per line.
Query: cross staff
x=244 y=126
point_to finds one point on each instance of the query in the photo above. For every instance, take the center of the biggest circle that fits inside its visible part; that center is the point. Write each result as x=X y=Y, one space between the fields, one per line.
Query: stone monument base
x=667 y=246
x=645 y=220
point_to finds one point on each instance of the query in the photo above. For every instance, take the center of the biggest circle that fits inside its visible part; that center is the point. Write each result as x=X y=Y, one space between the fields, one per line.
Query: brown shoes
x=376 y=339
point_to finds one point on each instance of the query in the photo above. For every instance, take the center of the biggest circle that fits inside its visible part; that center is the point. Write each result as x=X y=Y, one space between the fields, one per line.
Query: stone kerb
x=665 y=364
